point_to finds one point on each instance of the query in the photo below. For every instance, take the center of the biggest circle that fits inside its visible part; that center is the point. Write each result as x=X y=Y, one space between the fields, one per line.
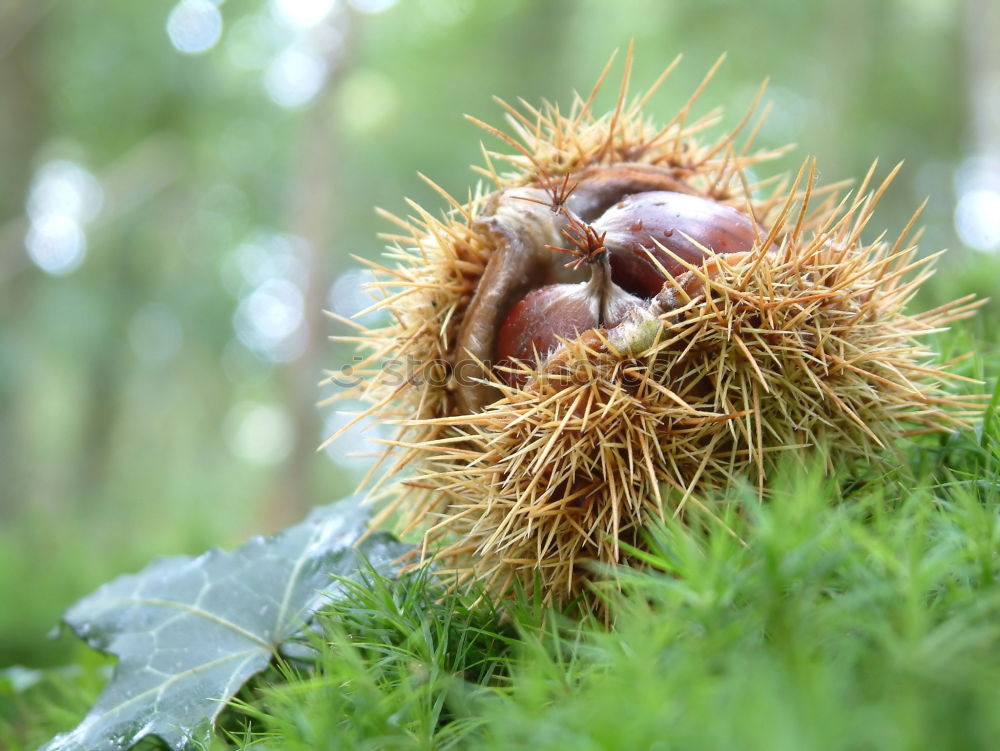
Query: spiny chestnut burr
x=792 y=332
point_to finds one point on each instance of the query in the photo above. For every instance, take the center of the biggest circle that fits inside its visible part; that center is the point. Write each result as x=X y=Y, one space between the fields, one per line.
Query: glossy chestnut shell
x=645 y=221
x=535 y=324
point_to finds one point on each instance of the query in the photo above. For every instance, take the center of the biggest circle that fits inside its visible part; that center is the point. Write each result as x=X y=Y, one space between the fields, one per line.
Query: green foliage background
x=122 y=439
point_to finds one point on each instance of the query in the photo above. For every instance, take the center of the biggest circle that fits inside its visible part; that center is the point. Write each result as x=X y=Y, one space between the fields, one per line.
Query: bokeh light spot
x=194 y=26
x=301 y=14
x=63 y=197
x=348 y=294
x=259 y=433
x=64 y=187
x=269 y=316
x=294 y=77
x=366 y=100
x=56 y=243
x=352 y=450
x=977 y=219
x=372 y=6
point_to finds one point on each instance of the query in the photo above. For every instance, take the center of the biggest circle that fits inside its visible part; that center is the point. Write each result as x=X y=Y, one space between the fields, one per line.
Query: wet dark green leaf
x=189 y=632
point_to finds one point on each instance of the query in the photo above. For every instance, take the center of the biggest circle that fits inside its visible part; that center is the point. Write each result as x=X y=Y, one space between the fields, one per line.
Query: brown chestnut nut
x=533 y=326
x=639 y=222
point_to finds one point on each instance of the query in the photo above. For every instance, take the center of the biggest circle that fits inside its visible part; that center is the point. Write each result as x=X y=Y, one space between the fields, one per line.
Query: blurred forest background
x=183 y=182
